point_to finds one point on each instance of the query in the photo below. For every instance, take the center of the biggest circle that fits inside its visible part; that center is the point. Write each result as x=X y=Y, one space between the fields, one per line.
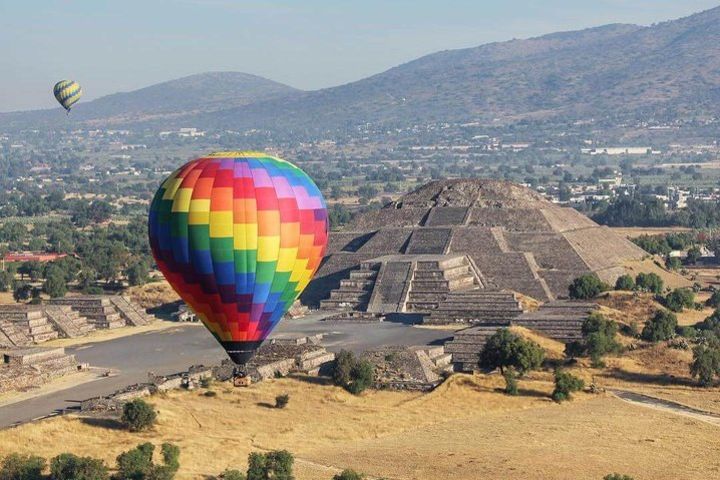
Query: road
x=666 y=406
x=173 y=350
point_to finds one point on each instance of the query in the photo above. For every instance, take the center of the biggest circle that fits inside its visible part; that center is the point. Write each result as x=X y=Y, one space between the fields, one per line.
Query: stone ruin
x=465 y=234
x=25 y=368
x=466 y=251
x=409 y=368
x=70 y=317
x=561 y=320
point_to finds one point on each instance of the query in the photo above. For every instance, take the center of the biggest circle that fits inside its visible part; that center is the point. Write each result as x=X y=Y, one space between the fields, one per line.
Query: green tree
x=55 y=283
x=6 y=280
x=649 y=282
x=275 y=465
x=344 y=362
x=67 y=466
x=693 y=255
x=22 y=467
x=22 y=291
x=706 y=363
x=711 y=324
x=599 y=337
x=679 y=299
x=233 y=475
x=511 y=381
x=506 y=349
x=586 y=287
x=135 y=464
x=138 y=415
x=714 y=300
x=33 y=269
x=673 y=263
x=137 y=273
x=361 y=377
x=660 y=327
x=625 y=282
x=565 y=385
x=349 y=474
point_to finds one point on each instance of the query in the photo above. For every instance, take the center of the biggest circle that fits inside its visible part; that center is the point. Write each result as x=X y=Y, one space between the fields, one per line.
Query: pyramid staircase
x=433 y=280
x=99 y=310
x=354 y=292
x=12 y=335
x=31 y=320
x=560 y=320
x=67 y=321
x=131 y=312
x=466 y=345
x=476 y=307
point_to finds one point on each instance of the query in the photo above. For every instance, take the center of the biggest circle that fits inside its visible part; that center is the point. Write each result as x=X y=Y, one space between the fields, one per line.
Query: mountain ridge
x=617 y=70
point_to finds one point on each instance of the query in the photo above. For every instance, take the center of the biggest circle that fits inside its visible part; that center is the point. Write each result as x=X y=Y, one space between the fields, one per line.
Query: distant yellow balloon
x=67 y=92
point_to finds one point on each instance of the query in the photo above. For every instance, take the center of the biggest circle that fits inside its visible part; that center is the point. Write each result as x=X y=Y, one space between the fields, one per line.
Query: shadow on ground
x=108 y=423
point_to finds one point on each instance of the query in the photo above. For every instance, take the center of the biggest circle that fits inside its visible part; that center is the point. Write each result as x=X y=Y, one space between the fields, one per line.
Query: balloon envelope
x=238 y=235
x=67 y=92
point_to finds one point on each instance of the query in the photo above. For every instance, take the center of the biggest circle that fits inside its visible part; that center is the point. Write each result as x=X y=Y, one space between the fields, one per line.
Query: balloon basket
x=242 y=380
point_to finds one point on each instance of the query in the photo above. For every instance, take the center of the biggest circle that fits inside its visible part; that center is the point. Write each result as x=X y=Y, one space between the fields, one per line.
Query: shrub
x=565 y=384
x=22 y=467
x=138 y=415
x=511 y=383
x=137 y=464
x=710 y=324
x=277 y=465
x=706 y=363
x=693 y=255
x=660 y=327
x=673 y=263
x=361 y=377
x=714 y=300
x=205 y=382
x=586 y=287
x=67 y=466
x=344 y=362
x=625 y=282
x=687 y=332
x=281 y=401
x=679 y=299
x=599 y=338
x=617 y=476
x=505 y=349
x=649 y=282
x=352 y=374
x=210 y=393
x=233 y=475
x=348 y=474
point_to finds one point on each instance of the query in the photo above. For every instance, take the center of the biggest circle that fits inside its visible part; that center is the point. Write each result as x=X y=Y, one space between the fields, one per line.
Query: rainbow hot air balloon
x=238 y=235
x=67 y=92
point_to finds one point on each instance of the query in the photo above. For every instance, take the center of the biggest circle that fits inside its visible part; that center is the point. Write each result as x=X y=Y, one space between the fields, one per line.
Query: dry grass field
x=464 y=430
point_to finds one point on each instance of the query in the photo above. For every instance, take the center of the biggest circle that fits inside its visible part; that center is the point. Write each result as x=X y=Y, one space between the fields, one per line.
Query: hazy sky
x=110 y=46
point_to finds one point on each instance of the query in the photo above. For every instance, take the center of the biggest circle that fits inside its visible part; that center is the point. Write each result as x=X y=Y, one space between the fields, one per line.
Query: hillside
x=616 y=69
x=667 y=70
x=205 y=92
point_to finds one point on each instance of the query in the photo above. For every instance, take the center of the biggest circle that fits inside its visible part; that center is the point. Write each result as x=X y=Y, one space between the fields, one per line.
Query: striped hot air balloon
x=67 y=92
x=238 y=235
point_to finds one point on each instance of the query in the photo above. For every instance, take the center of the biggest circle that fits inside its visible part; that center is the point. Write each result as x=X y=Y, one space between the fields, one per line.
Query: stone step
x=363 y=274
x=328 y=304
x=355 y=284
x=352 y=295
x=427 y=285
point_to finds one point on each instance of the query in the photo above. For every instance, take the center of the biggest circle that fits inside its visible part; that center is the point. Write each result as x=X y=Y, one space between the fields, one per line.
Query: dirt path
x=666 y=406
